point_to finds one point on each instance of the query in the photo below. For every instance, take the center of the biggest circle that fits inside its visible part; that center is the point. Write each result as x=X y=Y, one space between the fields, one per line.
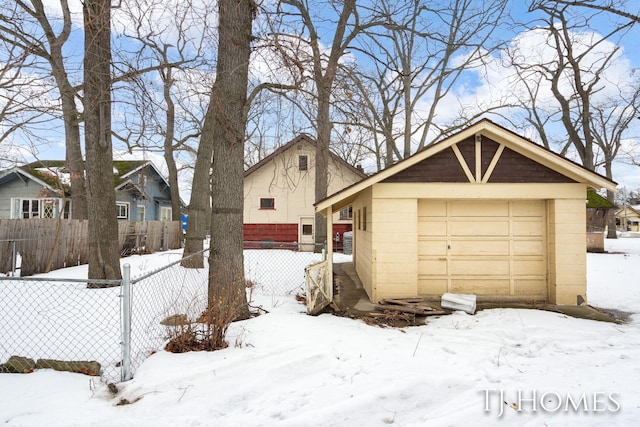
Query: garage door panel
x=463 y=208
x=531 y=287
x=430 y=286
x=528 y=267
x=527 y=247
x=432 y=247
x=479 y=247
x=528 y=208
x=481 y=286
x=479 y=267
x=432 y=208
x=432 y=267
x=432 y=228
x=528 y=228
x=479 y=229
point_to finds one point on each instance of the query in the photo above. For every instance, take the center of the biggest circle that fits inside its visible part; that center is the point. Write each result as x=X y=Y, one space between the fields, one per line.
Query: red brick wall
x=273 y=232
x=285 y=233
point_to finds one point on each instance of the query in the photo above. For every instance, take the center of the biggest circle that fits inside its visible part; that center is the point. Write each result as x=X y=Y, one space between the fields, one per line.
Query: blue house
x=42 y=190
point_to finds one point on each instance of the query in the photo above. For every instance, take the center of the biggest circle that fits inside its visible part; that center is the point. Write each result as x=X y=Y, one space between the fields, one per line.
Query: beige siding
x=293 y=190
x=495 y=249
x=395 y=244
x=567 y=250
x=362 y=245
x=444 y=191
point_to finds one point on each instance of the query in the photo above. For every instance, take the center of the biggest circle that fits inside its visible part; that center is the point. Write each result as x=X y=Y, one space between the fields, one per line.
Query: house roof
x=126 y=169
x=52 y=174
x=629 y=208
x=596 y=201
x=46 y=177
x=300 y=138
x=491 y=130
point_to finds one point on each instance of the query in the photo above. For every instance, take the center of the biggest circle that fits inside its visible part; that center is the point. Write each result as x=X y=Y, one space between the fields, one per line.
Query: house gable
x=478 y=159
x=279 y=192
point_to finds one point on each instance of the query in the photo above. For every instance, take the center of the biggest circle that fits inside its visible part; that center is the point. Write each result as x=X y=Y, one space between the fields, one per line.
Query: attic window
x=267 y=203
x=302 y=163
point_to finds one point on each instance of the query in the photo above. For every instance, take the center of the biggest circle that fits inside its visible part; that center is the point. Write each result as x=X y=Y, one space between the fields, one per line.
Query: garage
x=494 y=249
x=485 y=211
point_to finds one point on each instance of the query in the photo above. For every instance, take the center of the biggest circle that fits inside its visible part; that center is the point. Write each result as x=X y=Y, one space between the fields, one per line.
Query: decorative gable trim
x=478 y=159
x=474 y=159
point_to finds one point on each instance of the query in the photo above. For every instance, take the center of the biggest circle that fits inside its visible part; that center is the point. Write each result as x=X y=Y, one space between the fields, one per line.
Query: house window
x=302 y=163
x=359 y=220
x=66 y=212
x=30 y=209
x=267 y=203
x=122 y=210
x=140 y=213
x=364 y=219
x=165 y=213
x=39 y=208
x=48 y=208
x=307 y=229
x=346 y=213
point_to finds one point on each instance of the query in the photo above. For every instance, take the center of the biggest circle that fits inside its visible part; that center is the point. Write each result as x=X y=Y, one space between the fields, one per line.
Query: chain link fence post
x=126 y=323
x=14 y=258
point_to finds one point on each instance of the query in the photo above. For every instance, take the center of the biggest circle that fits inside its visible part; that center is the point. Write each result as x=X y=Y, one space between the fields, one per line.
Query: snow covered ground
x=497 y=367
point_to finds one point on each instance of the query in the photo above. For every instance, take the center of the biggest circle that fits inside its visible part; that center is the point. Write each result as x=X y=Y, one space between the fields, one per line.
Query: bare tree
x=618 y=8
x=418 y=61
x=17 y=115
x=35 y=34
x=594 y=109
x=168 y=116
x=104 y=256
x=351 y=20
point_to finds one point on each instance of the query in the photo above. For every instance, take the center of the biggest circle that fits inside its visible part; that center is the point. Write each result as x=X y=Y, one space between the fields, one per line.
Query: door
x=306 y=236
x=495 y=249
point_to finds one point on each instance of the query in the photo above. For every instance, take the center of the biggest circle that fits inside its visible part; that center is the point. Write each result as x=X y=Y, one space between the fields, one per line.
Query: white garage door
x=494 y=249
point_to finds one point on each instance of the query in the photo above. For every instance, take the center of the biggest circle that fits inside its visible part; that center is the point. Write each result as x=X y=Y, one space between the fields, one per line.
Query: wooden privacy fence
x=50 y=244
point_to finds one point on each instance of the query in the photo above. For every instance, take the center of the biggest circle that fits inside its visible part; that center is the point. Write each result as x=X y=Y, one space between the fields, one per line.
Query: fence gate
x=318 y=287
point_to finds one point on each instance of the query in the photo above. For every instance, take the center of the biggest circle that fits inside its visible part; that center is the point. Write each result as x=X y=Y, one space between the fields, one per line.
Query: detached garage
x=484 y=212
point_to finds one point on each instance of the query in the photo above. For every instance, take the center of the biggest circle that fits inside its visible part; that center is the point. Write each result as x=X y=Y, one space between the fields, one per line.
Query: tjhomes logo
x=495 y=401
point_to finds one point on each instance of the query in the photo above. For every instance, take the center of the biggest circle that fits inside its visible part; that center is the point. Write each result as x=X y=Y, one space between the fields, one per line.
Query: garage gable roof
x=472 y=158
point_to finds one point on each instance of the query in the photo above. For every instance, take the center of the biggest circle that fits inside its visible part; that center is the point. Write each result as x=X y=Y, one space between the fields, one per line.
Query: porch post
x=329 y=213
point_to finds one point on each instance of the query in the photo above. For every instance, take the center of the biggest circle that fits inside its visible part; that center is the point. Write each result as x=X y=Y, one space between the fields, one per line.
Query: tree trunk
x=70 y=117
x=226 y=134
x=168 y=147
x=322 y=158
x=104 y=256
x=199 y=209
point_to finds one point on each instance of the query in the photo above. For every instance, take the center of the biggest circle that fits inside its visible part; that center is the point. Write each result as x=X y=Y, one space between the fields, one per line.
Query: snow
x=285 y=368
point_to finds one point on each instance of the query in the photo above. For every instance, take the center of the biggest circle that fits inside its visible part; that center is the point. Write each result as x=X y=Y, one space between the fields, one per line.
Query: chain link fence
x=63 y=324
x=47 y=320
x=279 y=270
